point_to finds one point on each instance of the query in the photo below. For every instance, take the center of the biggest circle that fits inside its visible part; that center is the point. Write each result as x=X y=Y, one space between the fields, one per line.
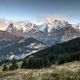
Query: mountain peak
x=11 y=28
x=56 y=24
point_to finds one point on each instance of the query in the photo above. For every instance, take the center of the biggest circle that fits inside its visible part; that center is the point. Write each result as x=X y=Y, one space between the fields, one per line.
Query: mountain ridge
x=46 y=34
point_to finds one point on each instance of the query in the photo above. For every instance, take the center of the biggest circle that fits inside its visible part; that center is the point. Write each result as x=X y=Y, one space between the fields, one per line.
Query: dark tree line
x=58 y=54
x=35 y=63
x=44 y=62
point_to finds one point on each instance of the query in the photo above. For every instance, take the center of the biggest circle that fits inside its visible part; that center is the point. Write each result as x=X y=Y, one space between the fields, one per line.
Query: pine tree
x=14 y=65
x=5 y=67
x=24 y=64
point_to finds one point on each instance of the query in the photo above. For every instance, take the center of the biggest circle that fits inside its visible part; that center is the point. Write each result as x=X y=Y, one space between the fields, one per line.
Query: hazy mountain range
x=19 y=39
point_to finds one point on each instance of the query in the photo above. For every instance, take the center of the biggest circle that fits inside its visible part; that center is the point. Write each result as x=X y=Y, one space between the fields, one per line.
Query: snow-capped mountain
x=21 y=26
x=48 y=33
x=51 y=33
x=22 y=38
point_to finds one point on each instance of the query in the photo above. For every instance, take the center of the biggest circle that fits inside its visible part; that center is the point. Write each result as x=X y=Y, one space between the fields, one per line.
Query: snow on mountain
x=56 y=25
x=36 y=45
x=34 y=37
x=21 y=26
x=11 y=28
x=57 y=31
x=49 y=32
x=27 y=27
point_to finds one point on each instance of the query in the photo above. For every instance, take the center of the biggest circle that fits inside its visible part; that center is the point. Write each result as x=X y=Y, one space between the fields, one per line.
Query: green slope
x=62 y=52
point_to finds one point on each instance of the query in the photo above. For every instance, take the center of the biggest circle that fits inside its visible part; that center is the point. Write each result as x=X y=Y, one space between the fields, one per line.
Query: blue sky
x=33 y=9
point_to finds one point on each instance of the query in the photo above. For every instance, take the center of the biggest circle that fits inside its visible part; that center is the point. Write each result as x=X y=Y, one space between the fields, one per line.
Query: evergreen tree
x=14 y=65
x=24 y=64
x=5 y=67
